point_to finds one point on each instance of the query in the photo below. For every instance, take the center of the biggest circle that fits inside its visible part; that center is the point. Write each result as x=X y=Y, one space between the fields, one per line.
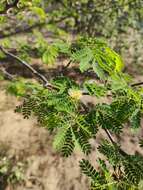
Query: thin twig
x=64 y=69
x=6 y=74
x=45 y=81
x=109 y=136
x=137 y=84
x=114 y=143
x=34 y=71
x=68 y=64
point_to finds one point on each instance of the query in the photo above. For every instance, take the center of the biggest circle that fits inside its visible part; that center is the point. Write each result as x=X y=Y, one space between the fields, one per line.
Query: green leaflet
x=84 y=57
x=89 y=170
x=93 y=54
x=111 y=152
x=63 y=47
x=133 y=167
x=69 y=145
x=95 y=89
x=99 y=180
x=17 y=88
x=60 y=138
x=50 y=55
x=82 y=141
x=119 y=81
x=39 y=11
x=111 y=184
x=135 y=119
x=99 y=71
x=119 y=65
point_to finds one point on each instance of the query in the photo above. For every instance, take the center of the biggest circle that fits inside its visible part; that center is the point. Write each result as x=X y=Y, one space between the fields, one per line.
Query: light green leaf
x=99 y=71
x=50 y=55
x=59 y=138
x=136 y=119
x=39 y=11
x=62 y=46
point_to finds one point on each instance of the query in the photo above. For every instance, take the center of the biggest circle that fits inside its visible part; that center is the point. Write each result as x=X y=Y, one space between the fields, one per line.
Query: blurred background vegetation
x=120 y=22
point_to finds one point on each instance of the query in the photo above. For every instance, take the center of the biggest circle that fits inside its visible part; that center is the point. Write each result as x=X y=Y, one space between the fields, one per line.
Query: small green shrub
x=59 y=108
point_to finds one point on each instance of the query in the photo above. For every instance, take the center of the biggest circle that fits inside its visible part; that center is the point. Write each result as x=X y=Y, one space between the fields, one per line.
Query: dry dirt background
x=46 y=169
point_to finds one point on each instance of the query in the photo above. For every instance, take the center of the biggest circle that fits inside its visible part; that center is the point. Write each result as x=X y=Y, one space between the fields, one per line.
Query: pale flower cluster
x=75 y=94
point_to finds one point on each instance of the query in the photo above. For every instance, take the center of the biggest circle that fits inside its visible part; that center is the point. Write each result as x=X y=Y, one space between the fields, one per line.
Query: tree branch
x=109 y=136
x=137 y=84
x=114 y=143
x=68 y=64
x=34 y=71
x=6 y=74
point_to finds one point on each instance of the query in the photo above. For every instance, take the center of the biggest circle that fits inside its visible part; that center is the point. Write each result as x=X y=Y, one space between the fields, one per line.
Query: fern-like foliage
x=120 y=111
x=68 y=145
x=127 y=169
x=82 y=141
x=95 y=54
x=89 y=170
x=95 y=89
x=136 y=119
x=111 y=152
x=133 y=168
x=58 y=111
x=99 y=180
x=89 y=53
x=62 y=111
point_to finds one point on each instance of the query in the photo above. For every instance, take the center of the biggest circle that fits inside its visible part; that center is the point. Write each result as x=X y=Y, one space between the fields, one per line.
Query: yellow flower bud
x=75 y=94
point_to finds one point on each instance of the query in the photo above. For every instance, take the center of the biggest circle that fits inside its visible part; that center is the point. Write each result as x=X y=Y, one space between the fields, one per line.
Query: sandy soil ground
x=46 y=169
